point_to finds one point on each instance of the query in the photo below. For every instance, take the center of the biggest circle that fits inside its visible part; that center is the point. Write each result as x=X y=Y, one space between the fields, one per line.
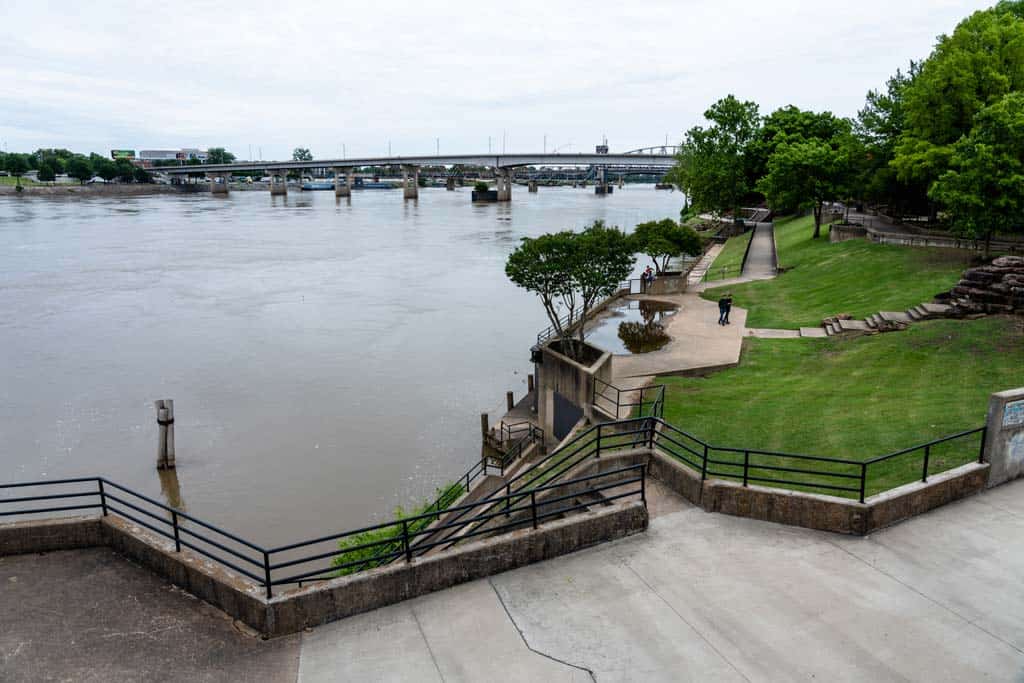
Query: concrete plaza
x=699 y=596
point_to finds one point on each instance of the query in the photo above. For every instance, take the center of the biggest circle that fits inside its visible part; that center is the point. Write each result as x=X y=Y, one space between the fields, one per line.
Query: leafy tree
x=788 y=124
x=570 y=272
x=79 y=168
x=711 y=165
x=301 y=154
x=807 y=173
x=16 y=165
x=984 y=190
x=219 y=155
x=664 y=239
x=47 y=172
x=125 y=170
x=141 y=175
x=978 y=64
x=104 y=168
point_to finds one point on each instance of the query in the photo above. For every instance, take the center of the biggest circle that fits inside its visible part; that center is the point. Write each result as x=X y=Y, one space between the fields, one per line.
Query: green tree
x=141 y=175
x=125 y=170
x=16 y=165
x=302 y=154
x=788 y=124
x=807 y=173
x=665 y=239
x=984 y=190
x=711 y=164
x=570 y=272
x=219 y=155
x=978 y=64
x=79 y=168
x=47 y=172
x=104 y=168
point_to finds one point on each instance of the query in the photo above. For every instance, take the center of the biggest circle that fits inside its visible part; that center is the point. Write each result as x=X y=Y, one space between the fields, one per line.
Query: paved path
x=697 y=597
x=760 y=262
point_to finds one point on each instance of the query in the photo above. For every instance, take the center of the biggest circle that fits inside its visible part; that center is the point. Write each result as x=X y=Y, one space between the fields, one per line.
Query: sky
x=358 y=78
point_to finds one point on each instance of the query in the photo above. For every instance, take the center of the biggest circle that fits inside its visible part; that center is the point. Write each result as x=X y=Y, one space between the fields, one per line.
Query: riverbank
x=97 y=190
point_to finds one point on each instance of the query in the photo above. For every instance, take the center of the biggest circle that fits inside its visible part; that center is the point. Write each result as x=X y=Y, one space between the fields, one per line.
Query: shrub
x=481 y=187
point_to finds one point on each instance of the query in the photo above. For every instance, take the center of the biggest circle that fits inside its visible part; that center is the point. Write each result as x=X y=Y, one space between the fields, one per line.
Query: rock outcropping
x=995 y=288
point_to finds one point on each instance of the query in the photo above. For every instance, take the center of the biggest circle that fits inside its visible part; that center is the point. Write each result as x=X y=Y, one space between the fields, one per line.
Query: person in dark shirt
x=722 y=310
x=728 y=307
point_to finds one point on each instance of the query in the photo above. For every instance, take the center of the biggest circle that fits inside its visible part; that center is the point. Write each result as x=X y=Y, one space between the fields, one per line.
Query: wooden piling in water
x=529 y=382
x=509 y=401
x=165 y=439
x=484 y=425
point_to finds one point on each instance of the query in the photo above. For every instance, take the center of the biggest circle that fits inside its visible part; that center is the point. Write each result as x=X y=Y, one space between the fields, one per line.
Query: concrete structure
x=410 y=182
x=218 y=182
x=1004 y=436
x=696 y=597
x=531 y=186
x=350 y=178
x=278 y=182
x=561 y=379
x=503 y=184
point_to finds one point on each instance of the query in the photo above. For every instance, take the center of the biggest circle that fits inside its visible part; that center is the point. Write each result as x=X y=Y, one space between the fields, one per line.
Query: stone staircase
x=885 y=321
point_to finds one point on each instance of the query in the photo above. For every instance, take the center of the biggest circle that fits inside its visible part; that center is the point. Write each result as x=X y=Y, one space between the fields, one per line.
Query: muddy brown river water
x=328 y=360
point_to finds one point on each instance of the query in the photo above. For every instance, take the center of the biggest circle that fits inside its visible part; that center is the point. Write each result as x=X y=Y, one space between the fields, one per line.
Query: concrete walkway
x=760 y=263
x=699 y=596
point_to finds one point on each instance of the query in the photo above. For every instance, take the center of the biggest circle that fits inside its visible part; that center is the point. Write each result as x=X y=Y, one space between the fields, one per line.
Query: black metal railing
x=646 y=401
x=513 y=440
x=550 y=487
x=721 y=273
x=569 y=323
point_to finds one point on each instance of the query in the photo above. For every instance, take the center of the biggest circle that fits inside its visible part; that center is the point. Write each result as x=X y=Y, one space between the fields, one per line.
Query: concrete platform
x=813 y=332
x=769 y=333
x=698 y=597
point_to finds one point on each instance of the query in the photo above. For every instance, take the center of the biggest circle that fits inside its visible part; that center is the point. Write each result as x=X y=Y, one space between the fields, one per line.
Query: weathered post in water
x=165 y=442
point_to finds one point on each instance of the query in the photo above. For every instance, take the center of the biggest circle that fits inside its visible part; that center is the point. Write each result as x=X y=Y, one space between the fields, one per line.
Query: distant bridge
x=646 y=160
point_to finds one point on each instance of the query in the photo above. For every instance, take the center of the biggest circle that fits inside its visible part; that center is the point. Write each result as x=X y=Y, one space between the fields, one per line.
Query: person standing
x=728 y=307
x=722 y=314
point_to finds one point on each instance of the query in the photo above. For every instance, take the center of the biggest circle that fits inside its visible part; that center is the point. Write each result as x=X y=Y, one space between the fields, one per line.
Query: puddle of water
x=632 y=327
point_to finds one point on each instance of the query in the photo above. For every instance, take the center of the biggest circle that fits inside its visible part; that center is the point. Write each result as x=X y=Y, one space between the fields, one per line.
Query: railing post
x=643 y=484
x=177 y=538
x=599 y=435
x=704 y=465
x=103 y=498
x=924 y=469
x=405 y=541
x=981 y=448
x=746 y=466
x=863 y=479
x=508 y=499
x=266 y=574
x=533 y=507
x=652 y=427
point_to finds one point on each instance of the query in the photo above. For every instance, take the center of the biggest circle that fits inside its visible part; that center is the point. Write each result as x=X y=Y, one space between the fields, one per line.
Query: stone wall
x=1004 y=436
x=995 y=288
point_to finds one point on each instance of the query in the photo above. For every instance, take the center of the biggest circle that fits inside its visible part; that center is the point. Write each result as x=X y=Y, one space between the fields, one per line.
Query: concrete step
x=815 y=332
x=915 y=315
x=936 y=309
x=853 y=325
x=894 y=316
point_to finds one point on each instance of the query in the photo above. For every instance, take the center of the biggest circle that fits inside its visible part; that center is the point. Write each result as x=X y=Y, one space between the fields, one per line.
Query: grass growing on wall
x=389 y=539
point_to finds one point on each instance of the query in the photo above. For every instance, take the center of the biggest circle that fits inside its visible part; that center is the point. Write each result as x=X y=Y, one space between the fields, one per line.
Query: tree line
x=944 y=138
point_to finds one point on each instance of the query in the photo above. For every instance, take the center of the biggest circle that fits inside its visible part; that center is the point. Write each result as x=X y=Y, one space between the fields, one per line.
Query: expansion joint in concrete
x=426 y=641
x=916 y=591
x=526 y=642
x=654 y=591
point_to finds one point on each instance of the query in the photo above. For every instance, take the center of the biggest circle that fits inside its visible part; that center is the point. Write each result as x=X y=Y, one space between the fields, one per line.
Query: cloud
x=322 y=74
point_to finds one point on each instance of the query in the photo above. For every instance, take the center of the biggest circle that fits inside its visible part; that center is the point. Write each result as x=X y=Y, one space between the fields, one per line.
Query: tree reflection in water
x=649 y=335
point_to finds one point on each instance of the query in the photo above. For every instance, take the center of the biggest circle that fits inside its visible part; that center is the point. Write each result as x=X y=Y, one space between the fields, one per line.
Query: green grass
x=855 y=277
x=389 y=539
x=730 y=260
x=10 y=180
x=857 y=398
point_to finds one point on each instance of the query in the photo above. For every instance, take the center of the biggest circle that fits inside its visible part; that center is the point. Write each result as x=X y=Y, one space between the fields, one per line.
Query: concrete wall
x=291 y=611
x=1004 y=438
x=572 y=380
x=841 y=233
x=667 y=284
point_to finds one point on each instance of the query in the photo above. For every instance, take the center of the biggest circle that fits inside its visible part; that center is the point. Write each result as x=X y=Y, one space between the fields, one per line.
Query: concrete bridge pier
x=449 y=183
x=601 y=185
x=346 y=189
x=504 y=184
x=411 y=183
x=278 y=182
x=532 y=186
x=222 y=186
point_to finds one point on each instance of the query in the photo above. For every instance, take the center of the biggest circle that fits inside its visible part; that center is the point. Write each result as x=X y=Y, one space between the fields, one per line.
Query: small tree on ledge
x=571 y=272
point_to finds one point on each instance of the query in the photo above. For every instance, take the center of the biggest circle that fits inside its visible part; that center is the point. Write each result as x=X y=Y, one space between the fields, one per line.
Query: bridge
x=650 y=160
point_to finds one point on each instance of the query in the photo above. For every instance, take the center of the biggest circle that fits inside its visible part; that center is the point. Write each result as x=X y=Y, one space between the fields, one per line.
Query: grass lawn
x=855 y=277
x=11 y=180
x=730 y=259
x=857 y=398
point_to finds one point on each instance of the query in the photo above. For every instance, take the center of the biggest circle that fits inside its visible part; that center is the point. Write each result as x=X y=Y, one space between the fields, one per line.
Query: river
x=328 y=359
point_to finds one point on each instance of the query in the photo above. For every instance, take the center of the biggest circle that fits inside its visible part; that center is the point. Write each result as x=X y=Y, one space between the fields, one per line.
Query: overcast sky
x=97 y=75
